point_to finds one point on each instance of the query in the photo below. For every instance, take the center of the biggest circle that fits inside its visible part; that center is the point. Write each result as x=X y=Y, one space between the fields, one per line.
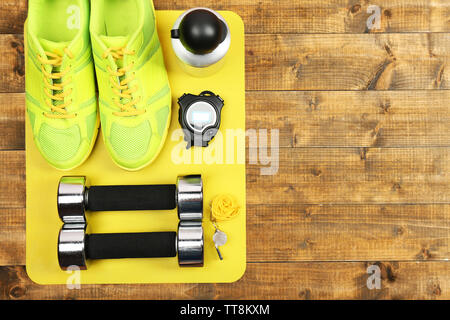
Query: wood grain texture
x=12 y=237
x=12 y=15
x=353 y=119
x=319 y=280
x=12 y=179
x=348 y=232
x=353 y=176
x=313 y=62
x=12 y=121
x=329 y=16
x=315 y=119
x=287 y=16
x=12 y=63
x=348 y=62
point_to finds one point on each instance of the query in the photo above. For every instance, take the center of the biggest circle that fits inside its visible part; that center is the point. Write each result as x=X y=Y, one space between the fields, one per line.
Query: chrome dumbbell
x=74 y=198
x=75 y=247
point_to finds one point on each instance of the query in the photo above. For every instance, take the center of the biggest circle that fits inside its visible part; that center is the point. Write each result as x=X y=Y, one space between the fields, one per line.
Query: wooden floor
x=364 y=154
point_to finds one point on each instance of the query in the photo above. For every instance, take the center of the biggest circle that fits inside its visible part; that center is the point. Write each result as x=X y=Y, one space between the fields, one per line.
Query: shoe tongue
x=53 y=46
x=114 y=41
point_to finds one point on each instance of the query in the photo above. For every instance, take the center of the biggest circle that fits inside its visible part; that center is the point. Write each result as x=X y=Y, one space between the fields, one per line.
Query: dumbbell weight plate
x=71 y=248
x=71 y=199
x=189 y=198
x=190 y=244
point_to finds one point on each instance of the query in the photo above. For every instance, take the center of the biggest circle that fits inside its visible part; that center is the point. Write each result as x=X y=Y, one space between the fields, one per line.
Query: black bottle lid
x=201 y=31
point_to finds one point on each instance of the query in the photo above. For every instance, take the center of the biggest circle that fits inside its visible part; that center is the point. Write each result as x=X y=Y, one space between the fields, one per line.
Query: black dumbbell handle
x=122 y=198
x=130 y=245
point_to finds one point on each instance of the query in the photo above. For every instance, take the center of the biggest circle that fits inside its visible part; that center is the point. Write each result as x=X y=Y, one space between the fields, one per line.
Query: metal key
x=219 y=239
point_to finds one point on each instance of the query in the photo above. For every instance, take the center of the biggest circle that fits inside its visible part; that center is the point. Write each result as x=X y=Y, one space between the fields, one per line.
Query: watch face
x=200 y=115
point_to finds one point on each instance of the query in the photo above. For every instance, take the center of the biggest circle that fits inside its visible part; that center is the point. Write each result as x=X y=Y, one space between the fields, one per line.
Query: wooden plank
x=348 y=233
x=348 y=62
x=12 y=124
x=348 y=200
x=310 y=233
x=353 y=119
x=12 y=237
x=12 y=179
x=286 y=16
x=313 y=62
x=315 y=176
x=315 y=119
x=12 y=15
x=12 y=63
x=317 y=280
x=329 y=16
x=353 y=176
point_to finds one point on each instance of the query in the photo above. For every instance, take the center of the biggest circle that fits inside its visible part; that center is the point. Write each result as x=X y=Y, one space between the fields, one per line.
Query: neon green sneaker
x=59 y=81
x=134 y=92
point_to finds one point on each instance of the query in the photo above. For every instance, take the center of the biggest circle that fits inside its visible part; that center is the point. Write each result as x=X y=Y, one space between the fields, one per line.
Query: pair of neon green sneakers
x=134 y=104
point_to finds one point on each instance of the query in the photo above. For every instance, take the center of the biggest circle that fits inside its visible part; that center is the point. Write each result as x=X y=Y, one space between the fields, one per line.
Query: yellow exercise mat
x=222 y=166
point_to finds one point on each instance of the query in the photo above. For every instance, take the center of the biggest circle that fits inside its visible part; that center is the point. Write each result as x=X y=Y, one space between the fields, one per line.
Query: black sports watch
x=199 y=117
